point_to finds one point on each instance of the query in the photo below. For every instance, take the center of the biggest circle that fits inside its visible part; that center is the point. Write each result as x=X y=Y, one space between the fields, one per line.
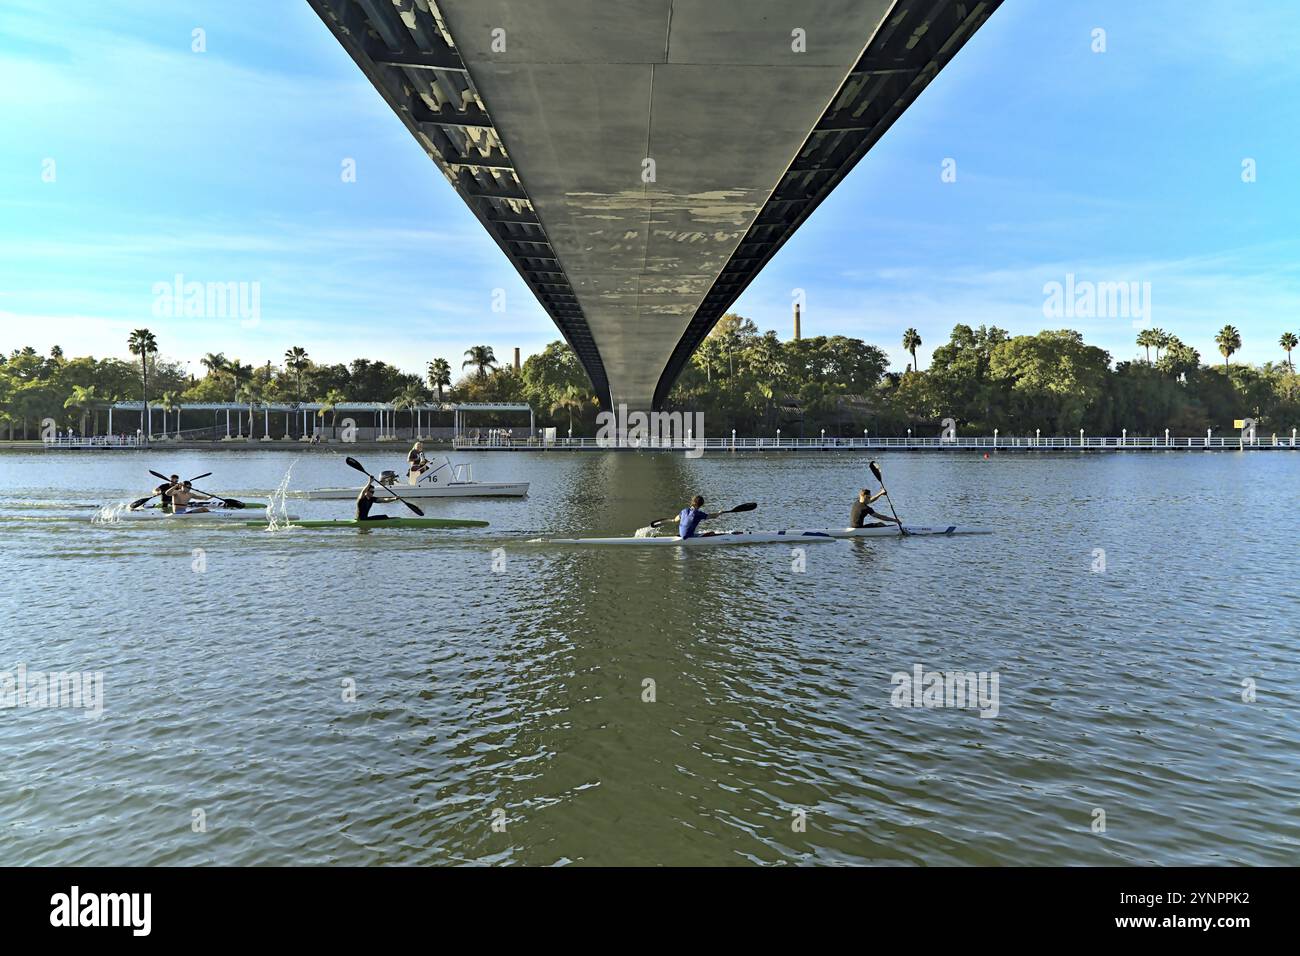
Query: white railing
x=1081 y=443
x=95 y=441
x=1028 y=442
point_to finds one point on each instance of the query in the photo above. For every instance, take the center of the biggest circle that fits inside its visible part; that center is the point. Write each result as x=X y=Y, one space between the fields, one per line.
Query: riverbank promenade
x=823 y=443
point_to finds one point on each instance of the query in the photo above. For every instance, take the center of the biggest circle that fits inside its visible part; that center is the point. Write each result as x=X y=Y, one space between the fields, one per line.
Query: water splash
x=647 y=532
x=110 y=514
x=277 y=508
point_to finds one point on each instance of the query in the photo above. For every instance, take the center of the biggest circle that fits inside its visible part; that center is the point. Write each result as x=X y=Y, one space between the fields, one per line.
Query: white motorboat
x=442 y=480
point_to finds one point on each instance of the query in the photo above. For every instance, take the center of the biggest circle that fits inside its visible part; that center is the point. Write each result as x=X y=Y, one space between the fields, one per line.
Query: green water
x=515 y=704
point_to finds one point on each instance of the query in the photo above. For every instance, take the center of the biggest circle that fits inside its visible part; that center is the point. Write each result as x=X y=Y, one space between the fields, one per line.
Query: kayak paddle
x=875 y=470
x=747 y=506
x=141 y=502
x=353 y=463
x=228 y=502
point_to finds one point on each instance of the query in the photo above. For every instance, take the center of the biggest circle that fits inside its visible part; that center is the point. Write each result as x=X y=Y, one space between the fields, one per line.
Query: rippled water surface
x=1122 y=602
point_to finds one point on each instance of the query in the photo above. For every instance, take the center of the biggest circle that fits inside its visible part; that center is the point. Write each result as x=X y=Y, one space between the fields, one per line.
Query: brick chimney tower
x=798 y=332
x=516 y=358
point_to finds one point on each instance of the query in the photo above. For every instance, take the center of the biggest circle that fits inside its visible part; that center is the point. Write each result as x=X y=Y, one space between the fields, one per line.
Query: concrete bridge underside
x=640 y=160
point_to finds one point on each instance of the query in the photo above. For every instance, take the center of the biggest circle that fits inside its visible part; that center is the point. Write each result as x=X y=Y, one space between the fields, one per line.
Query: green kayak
x=381 y=523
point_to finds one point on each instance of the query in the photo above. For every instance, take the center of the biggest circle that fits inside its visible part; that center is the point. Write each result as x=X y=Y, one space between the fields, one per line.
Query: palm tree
x=481 y=357
x=330 y=403
x=1147 y=338
x=143 y=344
x=83 y=398
x=709 y=354
x=440 y=375
x=295 y=359
x=766 y=359
x=168 y=403
x=1161 y=340
x=571 y=398
x=239 y=374
x=1229 y=341
x=912 y=342
x=408 y=398
x=250 y=394
x=214 y=362
x=1288 y=341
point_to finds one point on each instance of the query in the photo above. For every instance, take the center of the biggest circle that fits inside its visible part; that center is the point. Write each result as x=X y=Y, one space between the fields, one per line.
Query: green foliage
x=739 y=378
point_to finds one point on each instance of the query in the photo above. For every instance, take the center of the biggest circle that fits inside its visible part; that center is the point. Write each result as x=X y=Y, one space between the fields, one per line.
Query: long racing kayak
x=891 y=531
x=158 y=515
x=700 y=540
x=450 y=489
x=373 y=524
x=211 y=506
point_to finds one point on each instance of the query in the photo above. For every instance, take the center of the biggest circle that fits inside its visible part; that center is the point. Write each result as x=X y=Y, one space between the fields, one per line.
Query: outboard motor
x=388 y=478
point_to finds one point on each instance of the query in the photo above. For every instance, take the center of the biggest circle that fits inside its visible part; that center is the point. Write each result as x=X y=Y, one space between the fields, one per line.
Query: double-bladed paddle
x=228 y=502
x=747 y=506
x=875 y=470
x=353 y=463
x=141 y=502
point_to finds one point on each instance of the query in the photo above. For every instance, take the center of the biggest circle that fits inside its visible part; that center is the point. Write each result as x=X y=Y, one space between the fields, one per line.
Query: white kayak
x=113 y=516
x=426 y=489
x=704 y=540
x=891 y=531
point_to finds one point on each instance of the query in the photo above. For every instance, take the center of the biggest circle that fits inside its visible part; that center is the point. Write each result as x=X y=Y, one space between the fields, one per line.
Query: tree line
x=983 y=379
x=741 y=379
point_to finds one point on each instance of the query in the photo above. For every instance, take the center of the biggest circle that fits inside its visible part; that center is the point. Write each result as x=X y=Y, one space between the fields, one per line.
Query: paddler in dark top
x=365 y=501
x=862 y=510
x=164 y=490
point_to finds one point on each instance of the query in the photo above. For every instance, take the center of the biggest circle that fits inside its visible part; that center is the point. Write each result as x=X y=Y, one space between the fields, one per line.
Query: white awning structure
x=385 y=412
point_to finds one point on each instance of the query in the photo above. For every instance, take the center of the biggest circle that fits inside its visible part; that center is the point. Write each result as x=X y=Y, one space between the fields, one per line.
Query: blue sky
x=225 y=166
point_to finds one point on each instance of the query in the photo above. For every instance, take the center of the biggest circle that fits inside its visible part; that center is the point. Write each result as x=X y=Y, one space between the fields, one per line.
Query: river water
x=414 y=697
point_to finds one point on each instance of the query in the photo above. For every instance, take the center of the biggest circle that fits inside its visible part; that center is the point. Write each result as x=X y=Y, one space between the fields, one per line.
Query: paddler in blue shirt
x=691 y=517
